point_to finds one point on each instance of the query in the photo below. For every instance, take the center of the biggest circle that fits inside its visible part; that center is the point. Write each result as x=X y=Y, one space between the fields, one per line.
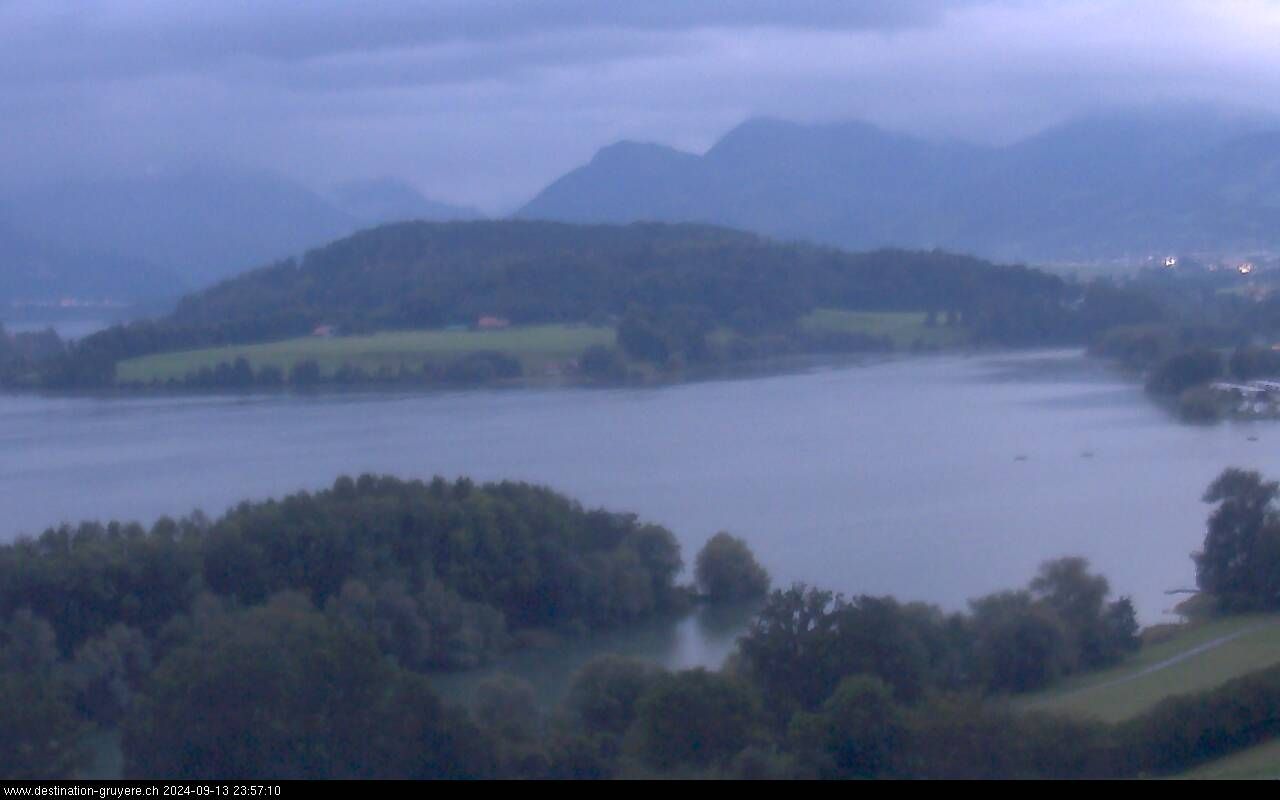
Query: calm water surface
x=935 y=479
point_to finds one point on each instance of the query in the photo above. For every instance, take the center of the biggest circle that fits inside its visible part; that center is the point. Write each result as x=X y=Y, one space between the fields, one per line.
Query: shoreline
x=752 y=368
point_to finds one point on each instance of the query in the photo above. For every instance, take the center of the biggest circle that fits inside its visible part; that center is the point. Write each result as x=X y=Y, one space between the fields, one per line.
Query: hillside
x=1198 y=658
x=1104 y=186
x=678 y=295
x=434 y=274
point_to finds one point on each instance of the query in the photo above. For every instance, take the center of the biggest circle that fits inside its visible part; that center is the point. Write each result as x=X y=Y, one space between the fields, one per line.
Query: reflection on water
x=704 y=638
x=67 y=328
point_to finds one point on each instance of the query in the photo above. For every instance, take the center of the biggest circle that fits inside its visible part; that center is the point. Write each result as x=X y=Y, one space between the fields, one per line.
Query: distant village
x=1250 y=399
x=1250 y=274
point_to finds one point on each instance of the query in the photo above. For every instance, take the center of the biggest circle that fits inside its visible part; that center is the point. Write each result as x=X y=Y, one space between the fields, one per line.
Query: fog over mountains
x=1108 y=186
x=155 y=236
x=38 y=271
x=1120 y=185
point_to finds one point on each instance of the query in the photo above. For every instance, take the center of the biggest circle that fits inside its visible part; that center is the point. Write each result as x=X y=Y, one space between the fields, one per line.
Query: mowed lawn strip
x=904 y=328
x=1125 y=691
x=535 y=346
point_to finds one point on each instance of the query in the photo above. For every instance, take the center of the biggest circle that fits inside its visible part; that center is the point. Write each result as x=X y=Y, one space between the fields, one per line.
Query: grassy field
x=535 y=346
x=1168 y=668
x=904 y=328
x=1256 y=763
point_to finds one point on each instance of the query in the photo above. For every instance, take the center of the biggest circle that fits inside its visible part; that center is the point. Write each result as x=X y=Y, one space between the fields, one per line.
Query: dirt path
x=1212 y=644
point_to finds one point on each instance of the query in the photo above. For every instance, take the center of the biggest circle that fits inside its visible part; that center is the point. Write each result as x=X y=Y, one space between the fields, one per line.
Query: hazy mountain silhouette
x=381 y=200
x=1101 y=186
x=33 y=271
x=200 y=224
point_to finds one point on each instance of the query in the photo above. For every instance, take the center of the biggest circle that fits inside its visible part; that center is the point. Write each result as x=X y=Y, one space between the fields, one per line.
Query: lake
x=930 y=478
x=71 y=327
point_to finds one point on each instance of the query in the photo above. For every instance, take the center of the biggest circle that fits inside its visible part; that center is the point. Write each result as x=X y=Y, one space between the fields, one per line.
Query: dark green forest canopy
x=469 y=564
x=429 y=275
x=315 y=614
x=421 y=274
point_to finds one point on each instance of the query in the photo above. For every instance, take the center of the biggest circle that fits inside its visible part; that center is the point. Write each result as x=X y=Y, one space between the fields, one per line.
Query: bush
x=1178 y=373
x=695 y=719
x=280 y=692
x=726 y=570
x=601 y=363
x=604 y=693
x=1200 y=404
x=304 y=373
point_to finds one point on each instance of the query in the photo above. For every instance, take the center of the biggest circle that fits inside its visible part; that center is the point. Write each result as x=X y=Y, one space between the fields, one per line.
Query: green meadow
x=905 y=329
x=1256 y=763
x=537 y=347
x=1203 y=656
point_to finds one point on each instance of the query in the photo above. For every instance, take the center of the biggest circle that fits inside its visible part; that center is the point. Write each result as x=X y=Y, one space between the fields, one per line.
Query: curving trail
x=1212 y=644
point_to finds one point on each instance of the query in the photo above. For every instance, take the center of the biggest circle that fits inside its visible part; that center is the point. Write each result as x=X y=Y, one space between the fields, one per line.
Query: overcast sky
x=484 y=101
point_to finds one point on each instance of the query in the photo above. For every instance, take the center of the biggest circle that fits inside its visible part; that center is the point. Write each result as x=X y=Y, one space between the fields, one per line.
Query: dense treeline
x=354 y=590
x=319 y=612
x=806 y=641
x=1179 y=362
x=476 y=368
x=21 y=353
x=285 y=690
x=669 y=285
x=1201 y=335
x=466 y=565
x=289 y=638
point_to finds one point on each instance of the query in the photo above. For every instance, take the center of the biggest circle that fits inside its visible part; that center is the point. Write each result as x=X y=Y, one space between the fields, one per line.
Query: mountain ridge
x=1100 y=186
x=198 y=224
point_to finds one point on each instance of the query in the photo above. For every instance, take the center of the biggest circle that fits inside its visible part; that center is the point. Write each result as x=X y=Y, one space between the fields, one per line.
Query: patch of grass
x=1257 y=763
x=905 y=329
x=1142 y=681
x=535 y=346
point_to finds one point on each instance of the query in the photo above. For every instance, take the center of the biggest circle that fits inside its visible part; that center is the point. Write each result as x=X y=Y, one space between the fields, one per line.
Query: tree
x=107 y=672
x=40 y=735
x=603 y=695
x=727 y=571
x=1020 y=645
x=1180 y=372
x=41 y=738
x=805 y=641
x=280 y=692
x=507 y=711
x=305 y=373
x=695 y=718
x=1100 y=633
x=856 y=732
x=1201 y=404
x=1249 y=362
x=602 y=363
x=640 y=338
x=1240 y=561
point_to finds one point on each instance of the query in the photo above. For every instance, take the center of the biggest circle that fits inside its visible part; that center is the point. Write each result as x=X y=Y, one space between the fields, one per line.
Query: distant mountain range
x=41 y=273
x=1101 y=187
x=156 y=236
x=374 y=202
x=1109 y=186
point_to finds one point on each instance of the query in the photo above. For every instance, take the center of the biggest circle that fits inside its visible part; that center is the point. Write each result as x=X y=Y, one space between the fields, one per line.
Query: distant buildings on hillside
x=489 y=323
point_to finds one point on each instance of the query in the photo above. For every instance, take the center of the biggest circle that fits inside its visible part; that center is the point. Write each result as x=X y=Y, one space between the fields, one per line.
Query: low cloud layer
x=483 y=102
